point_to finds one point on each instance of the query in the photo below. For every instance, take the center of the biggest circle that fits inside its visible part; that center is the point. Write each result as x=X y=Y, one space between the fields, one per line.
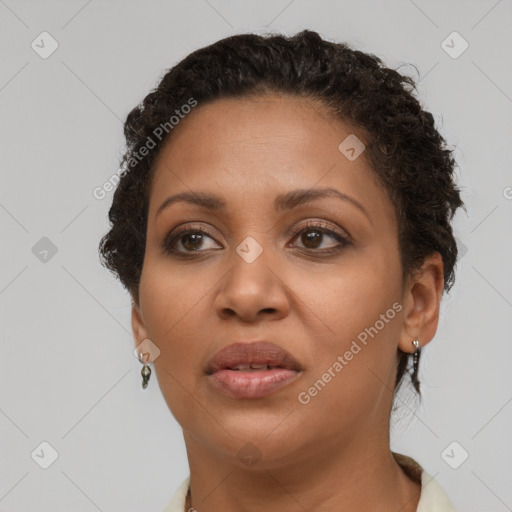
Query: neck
x=359 y=478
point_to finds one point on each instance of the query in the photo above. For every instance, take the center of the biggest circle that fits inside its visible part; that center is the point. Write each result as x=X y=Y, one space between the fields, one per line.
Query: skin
x=332 y=453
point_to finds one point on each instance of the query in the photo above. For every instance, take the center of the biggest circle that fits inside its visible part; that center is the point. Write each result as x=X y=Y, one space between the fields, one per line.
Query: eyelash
x=319 y=226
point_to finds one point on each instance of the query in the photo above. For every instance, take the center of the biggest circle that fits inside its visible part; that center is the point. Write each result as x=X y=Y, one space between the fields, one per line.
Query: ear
x=421 y=299
x=138 y=327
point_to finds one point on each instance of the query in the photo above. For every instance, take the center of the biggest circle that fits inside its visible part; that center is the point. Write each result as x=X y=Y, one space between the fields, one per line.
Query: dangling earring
x=415 y=364
x=145 y=372
x=146 y=352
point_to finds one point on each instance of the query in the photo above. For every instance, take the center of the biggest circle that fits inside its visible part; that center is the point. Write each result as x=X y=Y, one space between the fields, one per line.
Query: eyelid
x=320 y=224
x=179 y=229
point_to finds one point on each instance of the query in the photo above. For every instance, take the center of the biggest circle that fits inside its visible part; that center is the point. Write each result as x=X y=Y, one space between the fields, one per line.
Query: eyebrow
x=285 y=201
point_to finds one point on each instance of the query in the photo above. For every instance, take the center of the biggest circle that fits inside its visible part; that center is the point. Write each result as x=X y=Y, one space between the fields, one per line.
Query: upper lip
x=257 y=352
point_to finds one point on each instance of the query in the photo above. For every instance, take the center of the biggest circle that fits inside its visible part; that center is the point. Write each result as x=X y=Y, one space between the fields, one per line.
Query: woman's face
x=317 y=295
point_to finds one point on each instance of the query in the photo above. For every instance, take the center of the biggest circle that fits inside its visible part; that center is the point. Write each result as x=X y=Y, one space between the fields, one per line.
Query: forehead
x=260 y=124
x=258 y=147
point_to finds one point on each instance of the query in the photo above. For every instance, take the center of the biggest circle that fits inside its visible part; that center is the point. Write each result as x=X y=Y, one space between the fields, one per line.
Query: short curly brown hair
x=404 y=148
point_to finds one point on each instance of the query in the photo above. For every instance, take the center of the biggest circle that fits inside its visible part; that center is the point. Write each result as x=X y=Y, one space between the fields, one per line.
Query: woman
x=282 y=224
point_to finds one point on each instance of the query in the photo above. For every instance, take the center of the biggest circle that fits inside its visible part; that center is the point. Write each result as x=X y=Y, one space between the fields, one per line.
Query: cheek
x=175 y=321
x=174 y=315
x=360 y=306
x=171 y=295
x=351 y=297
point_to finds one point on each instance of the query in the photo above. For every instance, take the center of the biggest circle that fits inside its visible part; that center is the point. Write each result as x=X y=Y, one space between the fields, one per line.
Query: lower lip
x=240 y=384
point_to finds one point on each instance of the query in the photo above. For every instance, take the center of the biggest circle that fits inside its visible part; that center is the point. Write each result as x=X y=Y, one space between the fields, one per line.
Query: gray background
x=67 y=372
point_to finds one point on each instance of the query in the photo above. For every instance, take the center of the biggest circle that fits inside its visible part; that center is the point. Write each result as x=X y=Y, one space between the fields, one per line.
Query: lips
x=252 y=357
x=252 y=370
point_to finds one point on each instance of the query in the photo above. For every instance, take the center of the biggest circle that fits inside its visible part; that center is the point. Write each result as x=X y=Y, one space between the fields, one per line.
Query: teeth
x=242 y=367
x=253 y=366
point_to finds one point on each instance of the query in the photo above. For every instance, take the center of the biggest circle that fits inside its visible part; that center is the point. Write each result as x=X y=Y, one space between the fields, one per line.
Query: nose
x=251 y=291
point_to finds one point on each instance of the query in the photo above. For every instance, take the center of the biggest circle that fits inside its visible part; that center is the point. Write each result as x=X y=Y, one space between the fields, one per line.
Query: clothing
x=432 y=497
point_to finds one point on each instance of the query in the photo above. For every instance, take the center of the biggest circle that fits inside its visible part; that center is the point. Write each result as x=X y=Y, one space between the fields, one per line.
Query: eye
x=190 y=239
x=313 y=234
